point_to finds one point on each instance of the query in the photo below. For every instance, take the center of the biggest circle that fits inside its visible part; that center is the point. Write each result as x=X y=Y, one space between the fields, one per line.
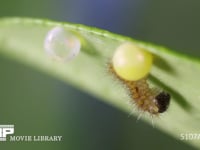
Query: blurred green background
x=40 y=105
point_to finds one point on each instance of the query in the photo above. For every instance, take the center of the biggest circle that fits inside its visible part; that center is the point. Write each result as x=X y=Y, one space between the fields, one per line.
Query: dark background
x=40 y=105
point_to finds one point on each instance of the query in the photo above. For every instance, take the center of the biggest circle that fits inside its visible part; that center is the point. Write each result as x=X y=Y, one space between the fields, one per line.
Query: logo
x=6 y=130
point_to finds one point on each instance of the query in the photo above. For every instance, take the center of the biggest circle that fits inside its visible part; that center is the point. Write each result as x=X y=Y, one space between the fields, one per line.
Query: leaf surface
x=22 y=39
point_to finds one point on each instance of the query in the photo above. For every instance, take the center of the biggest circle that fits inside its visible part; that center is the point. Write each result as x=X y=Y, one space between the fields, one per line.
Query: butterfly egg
x=61 y=44
x=131 y=62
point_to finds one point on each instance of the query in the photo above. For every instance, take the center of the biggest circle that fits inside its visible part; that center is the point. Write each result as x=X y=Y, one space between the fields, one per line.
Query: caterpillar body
x=146 y=99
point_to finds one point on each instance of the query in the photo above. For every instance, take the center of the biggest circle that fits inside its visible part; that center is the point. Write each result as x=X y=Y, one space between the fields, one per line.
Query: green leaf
x=22 y=39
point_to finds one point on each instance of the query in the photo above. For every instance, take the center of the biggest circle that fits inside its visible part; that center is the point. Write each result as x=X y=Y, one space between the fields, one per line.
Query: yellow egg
x=131 y=62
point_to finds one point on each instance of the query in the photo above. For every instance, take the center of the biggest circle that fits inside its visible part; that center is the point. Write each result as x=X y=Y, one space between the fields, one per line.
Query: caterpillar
x=147 y=99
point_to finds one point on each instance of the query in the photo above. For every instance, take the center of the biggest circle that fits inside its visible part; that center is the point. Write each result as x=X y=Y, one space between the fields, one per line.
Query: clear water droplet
x=61 y=44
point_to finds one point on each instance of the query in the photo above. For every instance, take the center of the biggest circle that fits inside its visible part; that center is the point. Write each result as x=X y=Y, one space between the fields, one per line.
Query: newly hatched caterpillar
x=146 y=99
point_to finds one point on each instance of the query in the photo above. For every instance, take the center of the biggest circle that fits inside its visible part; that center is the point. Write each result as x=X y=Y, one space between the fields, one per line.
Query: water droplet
x=61 y=44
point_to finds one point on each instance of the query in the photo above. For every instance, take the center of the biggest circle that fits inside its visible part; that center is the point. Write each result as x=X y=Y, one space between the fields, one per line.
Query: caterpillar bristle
x=145 y=98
